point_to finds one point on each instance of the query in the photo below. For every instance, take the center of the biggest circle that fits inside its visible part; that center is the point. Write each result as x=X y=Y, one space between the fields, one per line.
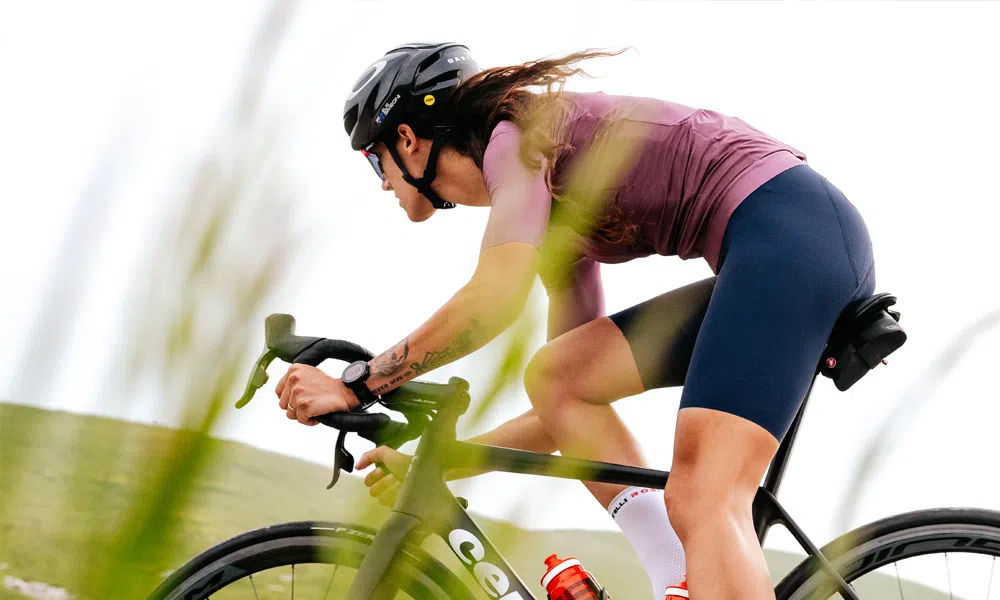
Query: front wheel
x=306 y=559
x=928 y=554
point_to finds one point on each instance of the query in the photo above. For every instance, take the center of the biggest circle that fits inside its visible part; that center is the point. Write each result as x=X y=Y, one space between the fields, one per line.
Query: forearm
x=464 y=324
x=524 y=432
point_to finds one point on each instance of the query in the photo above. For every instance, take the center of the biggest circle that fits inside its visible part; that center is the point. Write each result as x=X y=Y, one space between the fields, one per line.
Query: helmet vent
x=430 y=60
x=432 y=82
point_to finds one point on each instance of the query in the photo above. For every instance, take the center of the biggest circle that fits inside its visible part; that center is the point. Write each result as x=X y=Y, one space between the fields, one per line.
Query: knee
x=546 y=383
x=696 y=504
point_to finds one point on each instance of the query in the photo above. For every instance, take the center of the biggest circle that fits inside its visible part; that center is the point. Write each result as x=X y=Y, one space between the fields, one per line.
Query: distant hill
x=76 y=475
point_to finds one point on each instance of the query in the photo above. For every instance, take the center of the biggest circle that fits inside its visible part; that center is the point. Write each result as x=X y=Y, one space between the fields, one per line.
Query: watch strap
x=360 y=389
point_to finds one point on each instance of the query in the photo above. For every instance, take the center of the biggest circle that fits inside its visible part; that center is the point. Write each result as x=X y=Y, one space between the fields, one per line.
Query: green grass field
x=75 y=476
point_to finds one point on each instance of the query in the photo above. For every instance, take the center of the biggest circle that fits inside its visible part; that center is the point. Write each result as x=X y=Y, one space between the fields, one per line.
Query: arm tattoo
x=464 y=344
x=389 y=362
x=394 y=381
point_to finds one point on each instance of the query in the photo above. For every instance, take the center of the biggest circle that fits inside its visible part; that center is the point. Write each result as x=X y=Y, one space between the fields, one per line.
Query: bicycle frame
x=426 y=506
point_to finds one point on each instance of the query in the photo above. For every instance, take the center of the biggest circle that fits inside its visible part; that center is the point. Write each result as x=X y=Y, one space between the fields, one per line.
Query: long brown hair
x=528 y=95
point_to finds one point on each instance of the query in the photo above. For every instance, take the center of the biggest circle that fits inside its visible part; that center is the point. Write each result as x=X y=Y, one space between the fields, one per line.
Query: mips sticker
x=429 y=100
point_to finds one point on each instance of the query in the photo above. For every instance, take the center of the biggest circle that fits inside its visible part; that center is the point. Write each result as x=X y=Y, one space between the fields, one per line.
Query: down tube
x=481 y=558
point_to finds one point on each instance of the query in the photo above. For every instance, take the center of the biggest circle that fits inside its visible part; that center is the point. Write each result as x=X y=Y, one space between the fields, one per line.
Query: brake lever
x=258 y=377
x=342 y=459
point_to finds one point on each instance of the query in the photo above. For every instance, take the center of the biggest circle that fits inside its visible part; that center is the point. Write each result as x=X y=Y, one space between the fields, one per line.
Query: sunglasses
x=374 y=161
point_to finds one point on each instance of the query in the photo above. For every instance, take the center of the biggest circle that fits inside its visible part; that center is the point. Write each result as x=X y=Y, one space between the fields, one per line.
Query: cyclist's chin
x=420 y=212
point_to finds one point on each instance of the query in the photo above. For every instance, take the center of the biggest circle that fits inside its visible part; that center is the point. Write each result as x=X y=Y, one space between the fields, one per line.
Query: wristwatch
x=354 y=377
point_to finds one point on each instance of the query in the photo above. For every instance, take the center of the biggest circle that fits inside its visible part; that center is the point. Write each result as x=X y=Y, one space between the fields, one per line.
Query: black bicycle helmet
x=411 y=80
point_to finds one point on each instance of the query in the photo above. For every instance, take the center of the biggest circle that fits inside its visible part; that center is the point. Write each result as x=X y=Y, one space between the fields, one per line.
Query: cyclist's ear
x=408 y=141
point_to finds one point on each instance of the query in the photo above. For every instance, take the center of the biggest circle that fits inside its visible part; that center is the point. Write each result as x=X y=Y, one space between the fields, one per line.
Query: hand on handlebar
x=305 y=392
x=385 y=480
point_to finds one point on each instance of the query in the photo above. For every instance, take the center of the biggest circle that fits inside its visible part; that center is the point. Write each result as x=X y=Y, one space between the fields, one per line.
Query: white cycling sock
x=642 y=516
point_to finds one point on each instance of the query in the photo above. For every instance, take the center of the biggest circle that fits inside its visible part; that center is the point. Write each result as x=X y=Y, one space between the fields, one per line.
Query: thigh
x=592 y=363
x=661 y=332
x=640 y=348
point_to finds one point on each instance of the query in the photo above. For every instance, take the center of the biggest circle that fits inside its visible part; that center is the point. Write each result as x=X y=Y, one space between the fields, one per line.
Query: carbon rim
x=942 y=547
x=317 y=565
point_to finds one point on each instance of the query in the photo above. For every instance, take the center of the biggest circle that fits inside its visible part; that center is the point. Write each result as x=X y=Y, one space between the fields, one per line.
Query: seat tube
x=776 y=471
x=763 y=518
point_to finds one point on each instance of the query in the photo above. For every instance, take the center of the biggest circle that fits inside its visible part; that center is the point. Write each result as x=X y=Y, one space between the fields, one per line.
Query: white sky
x=896 y=103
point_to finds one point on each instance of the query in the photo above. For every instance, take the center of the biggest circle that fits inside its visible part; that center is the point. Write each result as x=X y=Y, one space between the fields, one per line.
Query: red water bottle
x=568 y=580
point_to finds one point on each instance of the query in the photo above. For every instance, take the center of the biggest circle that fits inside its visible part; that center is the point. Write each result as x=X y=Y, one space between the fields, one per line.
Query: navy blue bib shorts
x=795 y=253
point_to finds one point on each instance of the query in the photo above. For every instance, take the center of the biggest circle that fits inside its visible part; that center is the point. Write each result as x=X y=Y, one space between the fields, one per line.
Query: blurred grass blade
x=197 y=302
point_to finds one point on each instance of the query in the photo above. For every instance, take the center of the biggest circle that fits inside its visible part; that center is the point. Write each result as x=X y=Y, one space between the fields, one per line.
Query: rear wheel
x=940 y=553
x=308 y=560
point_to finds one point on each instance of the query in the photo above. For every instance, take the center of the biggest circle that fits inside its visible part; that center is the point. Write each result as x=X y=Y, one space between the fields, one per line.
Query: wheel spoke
x=899 y=581
x=989 y=586
x=947 y=569
x=335 y=567
x=254 y=586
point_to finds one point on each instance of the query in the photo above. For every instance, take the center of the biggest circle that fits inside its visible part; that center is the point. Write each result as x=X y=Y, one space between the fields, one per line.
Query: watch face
x=354 y=371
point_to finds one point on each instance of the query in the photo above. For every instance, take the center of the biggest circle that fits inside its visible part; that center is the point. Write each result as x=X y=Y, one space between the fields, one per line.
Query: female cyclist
x=573 y=180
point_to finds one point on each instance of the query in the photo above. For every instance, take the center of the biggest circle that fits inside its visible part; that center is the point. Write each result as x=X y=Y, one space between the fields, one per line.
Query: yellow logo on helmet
x=429 y=100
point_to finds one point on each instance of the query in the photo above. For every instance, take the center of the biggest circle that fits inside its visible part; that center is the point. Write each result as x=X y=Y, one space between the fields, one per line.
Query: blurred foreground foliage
x=105 y=509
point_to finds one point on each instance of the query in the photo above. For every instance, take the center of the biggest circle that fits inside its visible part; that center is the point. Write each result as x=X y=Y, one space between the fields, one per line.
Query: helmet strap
x=423 y=184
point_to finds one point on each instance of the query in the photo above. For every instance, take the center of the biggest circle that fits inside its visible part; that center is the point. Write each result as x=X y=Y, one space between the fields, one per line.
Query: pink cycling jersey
x=680 y=173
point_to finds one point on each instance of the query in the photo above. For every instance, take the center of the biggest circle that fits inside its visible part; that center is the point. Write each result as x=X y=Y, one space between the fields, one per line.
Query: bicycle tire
x=880 y=543
x=414 y=572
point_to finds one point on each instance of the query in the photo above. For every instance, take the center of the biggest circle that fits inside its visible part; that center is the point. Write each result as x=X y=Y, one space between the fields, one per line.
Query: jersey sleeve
x=519 y=197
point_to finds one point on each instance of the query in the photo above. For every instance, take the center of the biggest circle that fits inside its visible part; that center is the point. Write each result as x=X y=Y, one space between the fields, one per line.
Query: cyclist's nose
x=386 y=186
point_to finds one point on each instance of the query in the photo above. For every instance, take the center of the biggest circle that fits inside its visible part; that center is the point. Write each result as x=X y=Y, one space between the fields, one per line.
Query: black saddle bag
x=866 y=332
